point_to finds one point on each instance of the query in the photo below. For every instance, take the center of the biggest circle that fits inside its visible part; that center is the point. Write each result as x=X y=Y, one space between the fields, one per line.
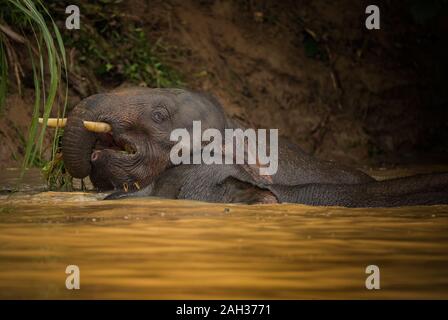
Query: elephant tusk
x=97 y=126
x=54 y=122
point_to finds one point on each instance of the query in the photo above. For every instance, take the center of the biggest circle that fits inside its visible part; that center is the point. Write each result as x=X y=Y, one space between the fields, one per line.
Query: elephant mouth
x=119 y=146
x=91 y=144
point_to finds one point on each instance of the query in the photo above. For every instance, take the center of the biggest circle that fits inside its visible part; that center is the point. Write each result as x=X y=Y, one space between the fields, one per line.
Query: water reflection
x=153 y=248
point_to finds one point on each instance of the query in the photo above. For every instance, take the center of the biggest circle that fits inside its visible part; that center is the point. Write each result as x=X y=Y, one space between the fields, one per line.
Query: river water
x=157 y=249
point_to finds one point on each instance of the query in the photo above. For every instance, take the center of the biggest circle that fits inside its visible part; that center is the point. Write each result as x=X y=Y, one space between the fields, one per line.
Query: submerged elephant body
x=134 y=157
x=213 y=183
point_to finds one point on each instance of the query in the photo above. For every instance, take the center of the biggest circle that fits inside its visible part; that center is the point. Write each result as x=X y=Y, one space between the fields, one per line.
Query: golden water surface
x=157 y=249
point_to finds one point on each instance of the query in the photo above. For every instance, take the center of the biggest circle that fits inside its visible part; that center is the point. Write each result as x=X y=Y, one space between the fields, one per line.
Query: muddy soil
x=308 y=68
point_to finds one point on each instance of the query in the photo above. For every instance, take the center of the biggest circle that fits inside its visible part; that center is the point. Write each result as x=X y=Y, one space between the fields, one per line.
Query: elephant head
x=121 y=139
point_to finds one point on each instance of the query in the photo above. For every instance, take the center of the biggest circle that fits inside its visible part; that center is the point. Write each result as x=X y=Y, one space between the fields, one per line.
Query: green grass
x=47 y=55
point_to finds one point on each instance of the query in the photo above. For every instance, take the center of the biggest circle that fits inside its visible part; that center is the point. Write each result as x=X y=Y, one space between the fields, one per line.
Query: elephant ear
x=252 y=170
x=239 y=191
x=244 y=183
x=213 y=183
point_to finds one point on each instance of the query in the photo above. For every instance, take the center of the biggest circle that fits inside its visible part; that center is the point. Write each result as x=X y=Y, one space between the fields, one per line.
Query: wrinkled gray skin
x=142 y=120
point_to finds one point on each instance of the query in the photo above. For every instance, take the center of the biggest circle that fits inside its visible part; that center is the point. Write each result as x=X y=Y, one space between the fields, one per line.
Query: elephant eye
x=160 y=114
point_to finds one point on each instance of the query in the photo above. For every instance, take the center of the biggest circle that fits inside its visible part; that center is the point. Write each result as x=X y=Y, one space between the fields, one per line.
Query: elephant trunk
x=425 y=189
x=78 y=143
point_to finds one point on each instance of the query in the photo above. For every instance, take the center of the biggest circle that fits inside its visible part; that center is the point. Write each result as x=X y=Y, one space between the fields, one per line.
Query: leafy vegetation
x=47 y=55
x=117 y=50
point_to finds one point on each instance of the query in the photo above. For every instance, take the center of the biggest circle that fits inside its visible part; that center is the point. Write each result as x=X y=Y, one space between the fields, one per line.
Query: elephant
x=122 y=140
